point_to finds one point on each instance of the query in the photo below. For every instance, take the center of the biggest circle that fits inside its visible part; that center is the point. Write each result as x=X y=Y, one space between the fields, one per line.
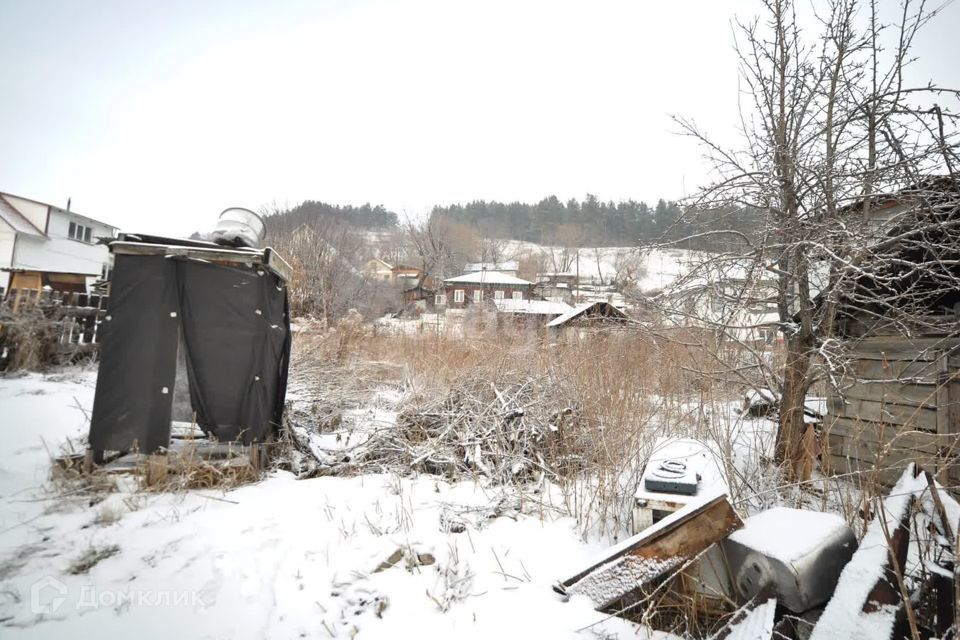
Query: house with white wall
x=44 y=245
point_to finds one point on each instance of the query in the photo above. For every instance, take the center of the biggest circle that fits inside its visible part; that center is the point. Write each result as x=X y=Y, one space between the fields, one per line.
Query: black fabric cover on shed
x=236 y=334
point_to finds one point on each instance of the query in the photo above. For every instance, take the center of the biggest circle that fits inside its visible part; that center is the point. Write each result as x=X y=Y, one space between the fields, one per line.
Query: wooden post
x=255 y=457
x=950 y=447
x=87 y=462
x=157 y=468
x=943 y=417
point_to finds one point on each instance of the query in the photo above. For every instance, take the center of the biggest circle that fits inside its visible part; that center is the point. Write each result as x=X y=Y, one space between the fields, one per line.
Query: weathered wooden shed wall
x=900 y=402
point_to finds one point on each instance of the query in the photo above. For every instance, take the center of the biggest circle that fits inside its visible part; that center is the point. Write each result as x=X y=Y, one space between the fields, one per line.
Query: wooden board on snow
x=625 y=569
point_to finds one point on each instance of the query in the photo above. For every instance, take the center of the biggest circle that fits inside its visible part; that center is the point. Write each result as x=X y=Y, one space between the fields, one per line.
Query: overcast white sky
x=157 y=115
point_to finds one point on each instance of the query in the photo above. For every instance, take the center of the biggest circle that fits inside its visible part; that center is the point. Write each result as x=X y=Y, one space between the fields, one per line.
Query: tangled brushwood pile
x=510 y=428
x=514 y=428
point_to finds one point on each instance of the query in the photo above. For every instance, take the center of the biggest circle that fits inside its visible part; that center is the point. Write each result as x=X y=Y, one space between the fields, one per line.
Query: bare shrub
x=29 y=339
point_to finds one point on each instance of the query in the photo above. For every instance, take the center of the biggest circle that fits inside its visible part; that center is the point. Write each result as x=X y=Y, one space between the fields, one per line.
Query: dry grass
x=91 y=558
x=582 y=410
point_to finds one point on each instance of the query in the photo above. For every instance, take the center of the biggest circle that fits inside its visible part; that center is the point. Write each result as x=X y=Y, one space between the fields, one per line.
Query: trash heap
x=696 y=569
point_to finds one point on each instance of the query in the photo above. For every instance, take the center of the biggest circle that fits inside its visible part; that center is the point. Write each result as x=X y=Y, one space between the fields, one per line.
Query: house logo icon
x=47 y=595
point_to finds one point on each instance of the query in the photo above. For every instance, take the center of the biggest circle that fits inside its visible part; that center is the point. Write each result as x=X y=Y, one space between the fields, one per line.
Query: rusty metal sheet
x=624 y=570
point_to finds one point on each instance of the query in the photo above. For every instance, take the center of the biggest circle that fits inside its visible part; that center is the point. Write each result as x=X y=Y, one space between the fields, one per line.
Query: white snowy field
x=278 y=559
x=653 y=268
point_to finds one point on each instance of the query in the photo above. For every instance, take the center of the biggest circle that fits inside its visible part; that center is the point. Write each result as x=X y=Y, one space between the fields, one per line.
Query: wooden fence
x=900 y=404
x=74 y=318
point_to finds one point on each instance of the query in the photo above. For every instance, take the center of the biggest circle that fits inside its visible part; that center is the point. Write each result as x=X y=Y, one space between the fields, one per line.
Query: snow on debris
x=798 y=532
x=349 y=440
x=372 y=556
x=843 y=618
x=756 y=623
x=622 y=575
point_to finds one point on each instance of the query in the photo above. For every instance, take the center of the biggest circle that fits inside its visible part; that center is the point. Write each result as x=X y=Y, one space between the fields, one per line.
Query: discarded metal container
x=678 y=472
x=796 y=554
x=671 y=476
x=239 y=227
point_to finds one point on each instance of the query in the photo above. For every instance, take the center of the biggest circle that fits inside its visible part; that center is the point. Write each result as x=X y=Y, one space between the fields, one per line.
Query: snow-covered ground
x=370 y=556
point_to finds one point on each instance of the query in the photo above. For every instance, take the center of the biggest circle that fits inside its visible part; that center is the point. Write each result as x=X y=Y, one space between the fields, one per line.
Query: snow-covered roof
x=17 y=221
x=532 y=307
x=583 y=308
x=508 y=265
x=382 y=263
x=488 y=277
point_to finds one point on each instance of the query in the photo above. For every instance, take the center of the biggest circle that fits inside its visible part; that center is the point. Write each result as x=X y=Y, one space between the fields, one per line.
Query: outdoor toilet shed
x=194 y=332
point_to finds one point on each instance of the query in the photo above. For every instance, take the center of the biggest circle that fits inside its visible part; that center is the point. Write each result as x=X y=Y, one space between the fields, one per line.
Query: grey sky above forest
x=157 y=115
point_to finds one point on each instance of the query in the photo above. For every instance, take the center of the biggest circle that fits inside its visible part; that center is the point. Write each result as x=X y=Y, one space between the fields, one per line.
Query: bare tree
x=830 y=131
x=628 y=268
x=493 y=250
x=324 y=254
x=441 y=246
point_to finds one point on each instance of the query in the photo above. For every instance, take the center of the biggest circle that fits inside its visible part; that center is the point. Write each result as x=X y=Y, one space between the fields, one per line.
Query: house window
x=498 y=295
x=440 y=299
x=79 y=232
x=518 y=295
x=477 y=295
x=458 y=295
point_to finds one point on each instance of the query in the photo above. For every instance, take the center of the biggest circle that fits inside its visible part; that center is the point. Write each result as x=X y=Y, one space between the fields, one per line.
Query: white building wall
x=32 y=211
x=7 y=240
x=60 y=220
x=60 y=253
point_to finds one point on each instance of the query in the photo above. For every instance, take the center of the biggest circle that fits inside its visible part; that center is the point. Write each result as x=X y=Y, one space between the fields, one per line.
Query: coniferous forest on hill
x=587 y=222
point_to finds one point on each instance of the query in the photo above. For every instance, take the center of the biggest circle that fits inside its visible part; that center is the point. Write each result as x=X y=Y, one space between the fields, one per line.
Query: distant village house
x=42 y=246
x=478 y=286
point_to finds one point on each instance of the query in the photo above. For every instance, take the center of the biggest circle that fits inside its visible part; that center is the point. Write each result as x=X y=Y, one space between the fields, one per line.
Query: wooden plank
x=886 y=413
x=627 y=568
x=237 y=256
x=895 y=370
x=896 y=347
x=874 y=455
x=953 y=429
x=277 y=264
x=902 y=393
x=883 y=434
x=267 y=258
x=854 y=468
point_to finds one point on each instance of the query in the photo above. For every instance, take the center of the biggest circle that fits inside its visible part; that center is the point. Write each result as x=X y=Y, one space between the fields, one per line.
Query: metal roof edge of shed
x=266 y=257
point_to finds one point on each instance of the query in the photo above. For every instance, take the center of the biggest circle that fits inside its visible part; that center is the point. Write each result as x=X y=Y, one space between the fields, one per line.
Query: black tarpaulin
x=236 y=335
x=137 y=357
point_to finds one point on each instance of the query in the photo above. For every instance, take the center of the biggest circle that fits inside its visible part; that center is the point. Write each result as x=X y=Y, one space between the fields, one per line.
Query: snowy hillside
x=654 y=268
